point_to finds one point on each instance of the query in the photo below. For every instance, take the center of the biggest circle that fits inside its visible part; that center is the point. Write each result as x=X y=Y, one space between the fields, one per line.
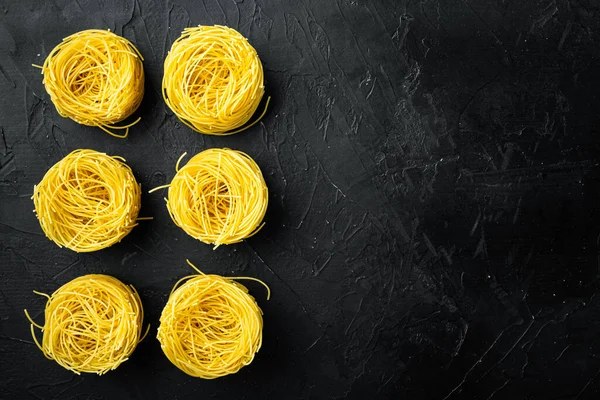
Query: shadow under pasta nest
x=275 y=355
x=272 y=219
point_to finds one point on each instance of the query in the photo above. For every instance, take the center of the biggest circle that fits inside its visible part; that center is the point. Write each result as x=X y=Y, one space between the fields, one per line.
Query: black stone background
x=432 y=231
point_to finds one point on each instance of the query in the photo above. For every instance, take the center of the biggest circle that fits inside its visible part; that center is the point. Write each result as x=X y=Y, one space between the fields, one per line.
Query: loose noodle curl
x=210 y=326
x=213 y=80
x=87 y=201
x=218 y=197
x=92 y=324
x=96 y=78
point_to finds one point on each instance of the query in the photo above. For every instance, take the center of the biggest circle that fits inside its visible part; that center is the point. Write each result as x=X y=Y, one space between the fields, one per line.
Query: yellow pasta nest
x=210 y=326
x=218 y=197
x=87 y=201
x=213 y=80
x=96 y=78
x=92 y=324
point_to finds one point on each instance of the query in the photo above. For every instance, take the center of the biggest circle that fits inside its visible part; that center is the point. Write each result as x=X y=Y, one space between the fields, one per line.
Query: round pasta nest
x=213 y=80
x=95 y=78
x=218 y=197
x=87 y=201
x=210 y=326
x=92 y=324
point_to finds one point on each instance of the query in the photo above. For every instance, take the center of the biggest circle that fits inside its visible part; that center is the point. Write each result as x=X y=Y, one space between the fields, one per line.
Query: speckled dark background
x=433 y=169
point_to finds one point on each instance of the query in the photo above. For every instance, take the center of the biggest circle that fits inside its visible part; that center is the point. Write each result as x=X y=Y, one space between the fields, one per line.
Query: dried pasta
x=92 y=324
x=87 y=201
x=210 y=326
x=213 y=80
x=218 y=197
x=95 y=78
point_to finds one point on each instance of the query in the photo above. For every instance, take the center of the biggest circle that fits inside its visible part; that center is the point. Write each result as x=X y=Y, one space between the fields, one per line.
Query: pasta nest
x=87 y=201
x=213 y=80
x=95 y=78
x=210 y=326
x=92 y=324
x=218 y=197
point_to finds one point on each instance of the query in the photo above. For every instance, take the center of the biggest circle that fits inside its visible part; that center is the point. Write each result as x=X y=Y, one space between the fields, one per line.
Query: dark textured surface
x=433 y=222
